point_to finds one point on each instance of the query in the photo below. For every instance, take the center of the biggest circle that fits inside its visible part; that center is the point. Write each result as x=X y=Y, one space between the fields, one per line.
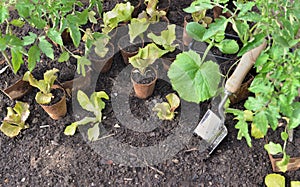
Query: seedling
x=93 y=104
x=166 y=38
x=275 y=179
x=137 y=27
x=15 y=119
x=146 y=56
x=44 y=96
x=166 y=110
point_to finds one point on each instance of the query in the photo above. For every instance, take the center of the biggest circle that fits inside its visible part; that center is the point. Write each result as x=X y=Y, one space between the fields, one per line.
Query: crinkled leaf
x=43 y=98
x=46 y=47
x=146 y=56
x=166 y=38
x=275 y=180
x=228 y=46
x=34 y=54
x=137 y=27
x=55 y=36
x=194 y=82
x=93 y=133
x=50 y=76
x=10 y=130
x=22 y=109
x=273 y=148
x=64 y=57
x=163 y=111
x=173 y=101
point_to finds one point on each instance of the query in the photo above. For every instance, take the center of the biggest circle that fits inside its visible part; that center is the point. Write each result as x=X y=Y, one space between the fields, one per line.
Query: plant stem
x=7 y=60
x=211 y=44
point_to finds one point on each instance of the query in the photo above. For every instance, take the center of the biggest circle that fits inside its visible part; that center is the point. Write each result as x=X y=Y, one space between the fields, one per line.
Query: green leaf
x=258 y=40
x=82 y=17
x=84 y=101
x=46 y=47
x=284 y=136
x=295 y=183
x=10 y=130
x=275 y=180
x=70 y=129
x=137 y=27
x=194 y=81
x=3 y=45
x=92 y=18
x=255 y=132
x=295 y=119
x=33 y=57
x=17 y=59
x=198 y=5
x=273 y=148
x=75 y=34
x=50 y=76
x=195 y=30
x=43 y=98
x=81 y=63
x=282 y=165
x=17 y=22
x=163 y=111
x=228 y=46
x=261 y=122
x=4 y=14
x=27 y=40
x=242 y=126
x=55 y=36
x=281 y=40
x=64 y=57
x=173 y=101
x=93 y=133
x=38 y=22
x=218 y=26
x=241 y=28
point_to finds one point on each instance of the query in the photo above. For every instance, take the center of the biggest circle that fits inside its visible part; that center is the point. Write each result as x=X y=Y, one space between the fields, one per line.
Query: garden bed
x=43 y=155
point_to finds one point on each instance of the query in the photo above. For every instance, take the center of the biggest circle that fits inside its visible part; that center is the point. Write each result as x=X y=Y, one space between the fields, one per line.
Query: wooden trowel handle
x=247 y=61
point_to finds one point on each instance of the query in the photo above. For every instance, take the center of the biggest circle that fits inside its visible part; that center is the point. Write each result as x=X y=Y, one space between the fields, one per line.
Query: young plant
x=198 y=10
x=120 y=13
x=93 y=104
x=166 y=110
x=278 y=180
x=152 y=13
x=137 y=27
x=146 y=56
x=44 y=96
x=166 y=38
x=15 y=119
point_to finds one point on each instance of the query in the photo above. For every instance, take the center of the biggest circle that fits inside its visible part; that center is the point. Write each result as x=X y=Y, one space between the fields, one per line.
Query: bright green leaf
x=4 y=14
x=75 y=34
x=84 y=101
x=17 y=59
x=195 y=30
x=64 y=57
x=258 y=40
x=93 y=133
x=255 y=132
x=137 y=27
x=173 y=101
x=33 y=57
x=43 y=98
x=55 y=36
x=70 y=129
x=17 y=22
x=46 y=47
x=273 y=148
x=27 y=40
x=275 y=180
x=295 y=183
x=228 y=46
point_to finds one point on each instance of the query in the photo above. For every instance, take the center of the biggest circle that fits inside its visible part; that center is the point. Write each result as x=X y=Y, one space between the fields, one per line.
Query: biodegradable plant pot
x=102 y=64
x=293 y=165
x=129 y=49
x=156 y=28
x=17 y=90
x=58 y=109
x=185 y=37
x=78 y=83
x=143 y=84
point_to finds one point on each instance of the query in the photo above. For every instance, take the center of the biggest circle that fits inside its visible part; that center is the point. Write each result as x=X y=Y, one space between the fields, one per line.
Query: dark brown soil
x=43 y=156
x=57 y=95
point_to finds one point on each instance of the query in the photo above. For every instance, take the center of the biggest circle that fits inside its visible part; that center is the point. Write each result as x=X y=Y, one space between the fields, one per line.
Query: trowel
x=211 y=128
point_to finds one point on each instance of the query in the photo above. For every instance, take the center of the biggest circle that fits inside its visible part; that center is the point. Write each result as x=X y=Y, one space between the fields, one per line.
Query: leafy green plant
x=152 y=14
x=15 y=119
x=166 y=110
x=146 y=56
x=93 y=104
x=166 y=38
x=137 y=27
x=44 y=96
x=120 y=13
x=198 y=12
x=277 y=180
x=50 y=19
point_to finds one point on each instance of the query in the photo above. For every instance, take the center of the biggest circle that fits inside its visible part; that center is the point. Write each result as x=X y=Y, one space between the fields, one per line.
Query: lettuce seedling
x=15 y=119
x=137 y=27
x=44 y=96
x=166 y=110
x=146 y=56
x=166 y=38
x=93 y=104
x=120 y=13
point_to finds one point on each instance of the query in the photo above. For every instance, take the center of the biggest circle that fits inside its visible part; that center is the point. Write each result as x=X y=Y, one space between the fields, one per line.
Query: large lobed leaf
x=194 y=81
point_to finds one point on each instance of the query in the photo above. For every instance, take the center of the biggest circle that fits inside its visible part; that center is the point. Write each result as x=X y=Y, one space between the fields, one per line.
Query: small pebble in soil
x=35 y=120
x=175 y=161
x=117 y=125
x=23 y=179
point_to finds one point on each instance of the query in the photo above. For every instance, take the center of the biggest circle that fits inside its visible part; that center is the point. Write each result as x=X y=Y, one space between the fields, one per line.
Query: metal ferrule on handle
x=247 y=61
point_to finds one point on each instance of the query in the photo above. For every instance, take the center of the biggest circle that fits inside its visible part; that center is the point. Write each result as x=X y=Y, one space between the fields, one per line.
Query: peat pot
x=143 y=84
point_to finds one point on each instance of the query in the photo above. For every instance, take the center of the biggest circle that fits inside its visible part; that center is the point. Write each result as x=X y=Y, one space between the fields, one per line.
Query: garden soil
x=43 y=156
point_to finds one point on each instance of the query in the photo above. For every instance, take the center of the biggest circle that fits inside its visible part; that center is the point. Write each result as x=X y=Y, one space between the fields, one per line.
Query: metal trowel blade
x=212 y=131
